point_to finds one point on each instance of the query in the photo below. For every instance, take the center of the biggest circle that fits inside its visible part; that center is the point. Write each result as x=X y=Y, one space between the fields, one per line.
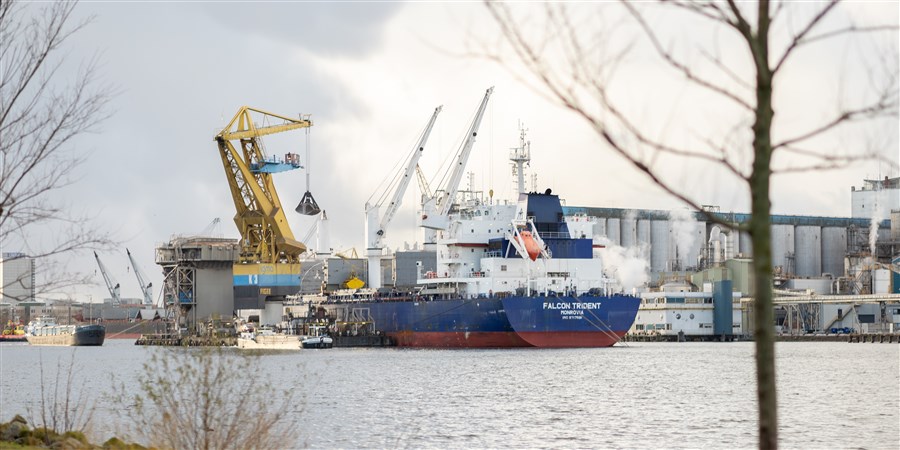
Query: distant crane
x=436 y=208
x=111 y=283
x=375 y=228
x=146 y=286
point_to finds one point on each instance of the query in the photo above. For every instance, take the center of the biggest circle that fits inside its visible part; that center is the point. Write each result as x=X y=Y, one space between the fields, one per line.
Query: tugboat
x=14 y=332
x=317 y=339
x=45 y=331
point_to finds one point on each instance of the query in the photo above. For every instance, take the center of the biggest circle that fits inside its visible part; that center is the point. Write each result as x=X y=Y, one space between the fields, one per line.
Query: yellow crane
x=268 y=266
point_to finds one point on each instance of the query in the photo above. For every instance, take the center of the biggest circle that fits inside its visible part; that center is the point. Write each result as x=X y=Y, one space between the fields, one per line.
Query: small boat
x=45 y=331
x=317 y=342
x=266 y=339
x=13 y=333
x=318 y=338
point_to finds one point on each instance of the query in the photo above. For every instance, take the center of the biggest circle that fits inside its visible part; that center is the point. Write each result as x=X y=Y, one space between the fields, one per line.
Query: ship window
x=473 y=250
x=503 y=267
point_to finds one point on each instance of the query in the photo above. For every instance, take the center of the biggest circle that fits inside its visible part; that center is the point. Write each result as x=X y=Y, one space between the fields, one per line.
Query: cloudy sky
x=370 y=74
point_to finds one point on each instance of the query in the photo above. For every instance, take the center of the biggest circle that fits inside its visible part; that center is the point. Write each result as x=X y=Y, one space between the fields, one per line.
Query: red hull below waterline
x=572 y=339
x=458 y=339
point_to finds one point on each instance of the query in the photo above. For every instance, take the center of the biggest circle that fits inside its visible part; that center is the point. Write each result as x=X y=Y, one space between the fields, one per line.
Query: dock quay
x=171 y=340
x=369 y=340
x=886 y=338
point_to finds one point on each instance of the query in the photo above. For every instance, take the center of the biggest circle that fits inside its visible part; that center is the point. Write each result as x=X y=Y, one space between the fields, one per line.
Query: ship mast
x=520 y=156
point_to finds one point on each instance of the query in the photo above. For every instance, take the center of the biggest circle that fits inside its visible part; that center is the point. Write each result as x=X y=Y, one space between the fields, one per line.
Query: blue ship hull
x=513 y=321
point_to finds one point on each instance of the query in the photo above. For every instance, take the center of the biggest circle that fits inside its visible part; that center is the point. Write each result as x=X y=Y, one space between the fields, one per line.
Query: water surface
x=672 y=395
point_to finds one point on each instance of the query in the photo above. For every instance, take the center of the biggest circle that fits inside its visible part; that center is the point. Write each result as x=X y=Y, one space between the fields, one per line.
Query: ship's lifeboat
x=531 y=246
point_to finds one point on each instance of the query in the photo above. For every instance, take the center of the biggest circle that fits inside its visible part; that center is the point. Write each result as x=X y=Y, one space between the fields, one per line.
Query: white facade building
x=881 y=196
x=17 y=273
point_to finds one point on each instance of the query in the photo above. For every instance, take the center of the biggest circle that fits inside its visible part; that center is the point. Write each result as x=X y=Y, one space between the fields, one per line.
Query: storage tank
x=745 y=245
x=613 y=231
x=783 y=248
x=722 y=308
x=834 y=247
x=808 y=250
x=600 y=227
x=659 y=245
x=643 y=232
x=822 y=286
x=629 y=232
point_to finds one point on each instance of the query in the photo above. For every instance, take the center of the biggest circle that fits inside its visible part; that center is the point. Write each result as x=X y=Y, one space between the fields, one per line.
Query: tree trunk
x=760 y=231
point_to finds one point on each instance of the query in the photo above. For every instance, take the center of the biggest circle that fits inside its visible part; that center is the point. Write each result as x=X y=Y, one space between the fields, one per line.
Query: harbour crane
x=111 y=283
x=268 y=264
x=146 y=286
x=436 y=208
x=375 y=228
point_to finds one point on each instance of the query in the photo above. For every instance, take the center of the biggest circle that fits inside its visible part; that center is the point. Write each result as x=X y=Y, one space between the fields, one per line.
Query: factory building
x=197 y=282
x=875 y=197
x=802 y=246
x=17 y=273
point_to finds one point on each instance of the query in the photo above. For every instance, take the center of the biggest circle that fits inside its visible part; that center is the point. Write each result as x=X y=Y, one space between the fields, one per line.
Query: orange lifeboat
x=531 y=246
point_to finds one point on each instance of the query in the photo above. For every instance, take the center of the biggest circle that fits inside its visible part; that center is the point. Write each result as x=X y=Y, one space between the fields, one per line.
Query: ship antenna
x=520 y=156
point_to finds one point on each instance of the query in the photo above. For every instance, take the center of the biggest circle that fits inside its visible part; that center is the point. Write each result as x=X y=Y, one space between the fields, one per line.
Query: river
x=671 y=395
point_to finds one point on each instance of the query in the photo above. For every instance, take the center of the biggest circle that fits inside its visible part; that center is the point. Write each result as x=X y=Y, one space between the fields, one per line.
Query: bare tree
x=41 y=115
x=64 y=405
x=570 y=57
x=209 y=398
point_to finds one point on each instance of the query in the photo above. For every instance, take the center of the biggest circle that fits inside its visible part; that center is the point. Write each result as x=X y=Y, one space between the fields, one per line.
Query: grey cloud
x=324 y=28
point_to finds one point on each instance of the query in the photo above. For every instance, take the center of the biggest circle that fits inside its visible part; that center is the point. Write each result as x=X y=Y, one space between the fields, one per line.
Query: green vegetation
x=16 y=434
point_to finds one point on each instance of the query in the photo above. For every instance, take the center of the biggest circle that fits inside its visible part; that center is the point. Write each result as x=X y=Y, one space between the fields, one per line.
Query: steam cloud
x=877 y=217
x=625 y=265
x=685 y=230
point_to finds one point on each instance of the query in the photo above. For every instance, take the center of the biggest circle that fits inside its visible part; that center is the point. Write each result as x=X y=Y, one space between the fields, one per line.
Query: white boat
x=317 y=339
x=268 y=340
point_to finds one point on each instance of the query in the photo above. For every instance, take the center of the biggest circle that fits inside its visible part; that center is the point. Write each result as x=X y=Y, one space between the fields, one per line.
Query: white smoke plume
x=627 y=266
x=877 y=217
x=685 y=230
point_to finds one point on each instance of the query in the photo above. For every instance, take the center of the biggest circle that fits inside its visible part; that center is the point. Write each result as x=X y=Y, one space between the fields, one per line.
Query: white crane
x=111 y=283
x=146 y=287
x=375 y=228
x=436 y=209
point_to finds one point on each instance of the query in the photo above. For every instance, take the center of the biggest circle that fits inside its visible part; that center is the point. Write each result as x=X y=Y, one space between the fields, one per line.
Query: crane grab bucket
x=308 y=205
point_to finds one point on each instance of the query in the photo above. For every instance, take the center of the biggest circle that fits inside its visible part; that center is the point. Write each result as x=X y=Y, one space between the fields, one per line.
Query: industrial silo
x=783 y=248
x=834 y=248
x=808 y=250
x=745 y=245
x=612 y=230
x=629 y=232
x=600 y=227
x=643 y=232
x=659 y=246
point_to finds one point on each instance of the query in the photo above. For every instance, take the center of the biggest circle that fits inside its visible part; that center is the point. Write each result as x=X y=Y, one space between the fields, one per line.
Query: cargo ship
x=507 y=275
x=45 y=331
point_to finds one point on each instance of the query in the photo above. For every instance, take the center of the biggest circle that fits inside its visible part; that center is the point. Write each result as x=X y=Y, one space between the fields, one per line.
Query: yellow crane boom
x=265 y=234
